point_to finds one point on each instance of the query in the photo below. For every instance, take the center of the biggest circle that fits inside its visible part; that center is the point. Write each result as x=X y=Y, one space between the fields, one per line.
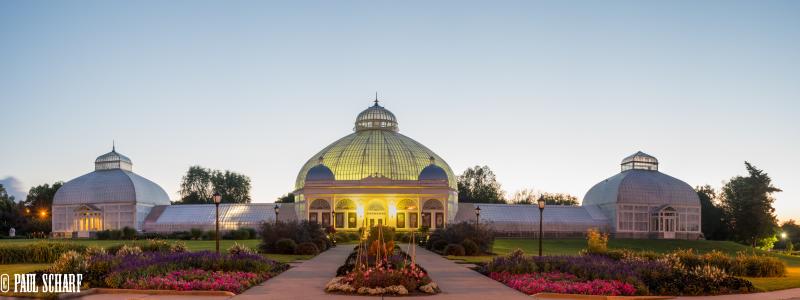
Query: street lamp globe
x=217 y=198
x=783 y=235
x=541 y=203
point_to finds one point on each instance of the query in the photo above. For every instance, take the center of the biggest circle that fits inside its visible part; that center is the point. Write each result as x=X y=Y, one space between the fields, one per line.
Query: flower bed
x=131 y=268
x=197 y=279
x=381 y=269
x=557 y=282
x=648 y=277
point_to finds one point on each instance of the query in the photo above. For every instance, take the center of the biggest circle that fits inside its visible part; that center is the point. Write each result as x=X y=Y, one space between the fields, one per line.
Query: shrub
x=438 y=245
x=126 y=250
x=597 y=241
x=454 y=249
x=342 y=237
x=239 y=234
x=285 y=246
x=470 y=248
x=307 y=248
x=115 y=234
x=69 y=262
x=386 y=232
x=178 y=247
x=401 y=237
x=196 y=233
x=39 y=252
x=483 y=236
x=103 y=235
x=237 y=248
x=353 y=236
x=299 y=232
x=321 y=244
x=128 y=233
x=210 y=235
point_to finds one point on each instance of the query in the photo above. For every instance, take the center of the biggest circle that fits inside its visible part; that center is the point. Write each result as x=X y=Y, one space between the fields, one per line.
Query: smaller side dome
x=433 y=172
x=639 y=161
x=320 y=172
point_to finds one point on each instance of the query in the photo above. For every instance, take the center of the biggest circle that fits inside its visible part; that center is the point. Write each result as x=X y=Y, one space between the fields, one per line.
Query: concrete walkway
x=307 y=281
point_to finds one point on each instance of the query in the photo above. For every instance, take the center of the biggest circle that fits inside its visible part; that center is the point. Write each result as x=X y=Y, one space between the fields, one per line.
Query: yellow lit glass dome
x=376 y=149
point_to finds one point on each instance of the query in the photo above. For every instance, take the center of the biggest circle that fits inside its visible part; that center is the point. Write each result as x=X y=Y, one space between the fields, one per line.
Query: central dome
x=375 y=149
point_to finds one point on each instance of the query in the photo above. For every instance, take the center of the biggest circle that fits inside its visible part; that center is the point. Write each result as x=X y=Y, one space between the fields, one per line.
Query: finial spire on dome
x=113 y=146
x=376 y=99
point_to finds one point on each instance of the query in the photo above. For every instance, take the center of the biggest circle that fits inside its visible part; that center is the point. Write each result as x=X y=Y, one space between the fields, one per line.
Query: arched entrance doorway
x=665 y=221
x=375 y=214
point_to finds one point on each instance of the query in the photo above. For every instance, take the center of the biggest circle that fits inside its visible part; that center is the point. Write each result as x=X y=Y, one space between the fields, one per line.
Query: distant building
x=377 y=176
x=111 y=197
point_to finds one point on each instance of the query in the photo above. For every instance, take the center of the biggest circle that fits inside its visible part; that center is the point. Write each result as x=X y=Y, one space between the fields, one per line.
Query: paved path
x=307 y=281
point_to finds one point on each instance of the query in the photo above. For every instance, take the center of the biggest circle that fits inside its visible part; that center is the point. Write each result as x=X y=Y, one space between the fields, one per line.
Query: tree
x=232 y=186
x=199 y=184
x=196 y=186
x=792 y=231
x=747 y=202
x=288 y=198
x=479 y=185
x=9 y=212
x=529 y=196
x=712 y=214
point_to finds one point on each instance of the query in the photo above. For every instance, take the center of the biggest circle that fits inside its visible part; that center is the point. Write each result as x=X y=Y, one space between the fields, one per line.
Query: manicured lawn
x=192 y=245
x=574 y=246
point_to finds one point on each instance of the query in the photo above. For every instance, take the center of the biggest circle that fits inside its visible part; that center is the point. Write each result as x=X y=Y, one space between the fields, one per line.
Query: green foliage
x=288 y=198
x=199 y=184
x=298 y=232
x=342 y=237
x=470 y=247
x=748 y=206
x=40 y=252
x=741 y=264
x=307 y=248
x=767 y=243
x=128 y=233
x=482 y=236
x=10 y=213
x=713 y=215
x=240 y=234
x=530 y=197
x=196 y=233
x=284 y=246
x=387 y=234
x=455 y=250
x=479 y=185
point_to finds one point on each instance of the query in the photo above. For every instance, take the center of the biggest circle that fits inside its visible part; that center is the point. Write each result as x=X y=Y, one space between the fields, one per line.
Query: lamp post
x=277 y=210
x=477 y=217
x=217 y=200
x=541 y=235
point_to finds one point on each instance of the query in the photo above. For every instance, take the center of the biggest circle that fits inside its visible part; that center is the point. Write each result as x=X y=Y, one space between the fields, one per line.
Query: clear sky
x=550 y=95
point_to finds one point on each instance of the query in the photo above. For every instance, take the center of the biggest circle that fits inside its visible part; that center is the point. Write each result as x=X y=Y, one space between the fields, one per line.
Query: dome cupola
x=320 y=172
x=113 y=160
x=639 y=161
x=376 y=117
x=433 y=172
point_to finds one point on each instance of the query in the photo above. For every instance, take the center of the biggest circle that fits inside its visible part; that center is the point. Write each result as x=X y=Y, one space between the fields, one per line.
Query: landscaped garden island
x=377 y=266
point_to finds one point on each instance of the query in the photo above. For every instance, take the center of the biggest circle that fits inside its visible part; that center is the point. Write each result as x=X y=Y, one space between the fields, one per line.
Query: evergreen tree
x=748 y=207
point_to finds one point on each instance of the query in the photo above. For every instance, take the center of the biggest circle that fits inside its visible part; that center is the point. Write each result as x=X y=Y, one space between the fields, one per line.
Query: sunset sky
x=550 y=95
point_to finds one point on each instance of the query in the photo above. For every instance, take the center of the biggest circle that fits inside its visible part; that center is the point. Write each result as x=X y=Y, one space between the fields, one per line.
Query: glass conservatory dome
x=375 y=149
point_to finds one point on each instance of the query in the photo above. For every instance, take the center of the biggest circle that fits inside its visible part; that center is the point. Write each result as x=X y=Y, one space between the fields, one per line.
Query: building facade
x=378 y=176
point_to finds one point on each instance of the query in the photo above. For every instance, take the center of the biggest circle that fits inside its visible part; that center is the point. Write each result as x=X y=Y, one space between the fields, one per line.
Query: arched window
x=407 y=214
x=433 y=214
x=320 y=212
x=345 y=214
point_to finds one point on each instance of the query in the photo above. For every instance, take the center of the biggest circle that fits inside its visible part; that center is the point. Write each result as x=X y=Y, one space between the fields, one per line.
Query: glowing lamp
x=360 y=211
x=392 y=209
